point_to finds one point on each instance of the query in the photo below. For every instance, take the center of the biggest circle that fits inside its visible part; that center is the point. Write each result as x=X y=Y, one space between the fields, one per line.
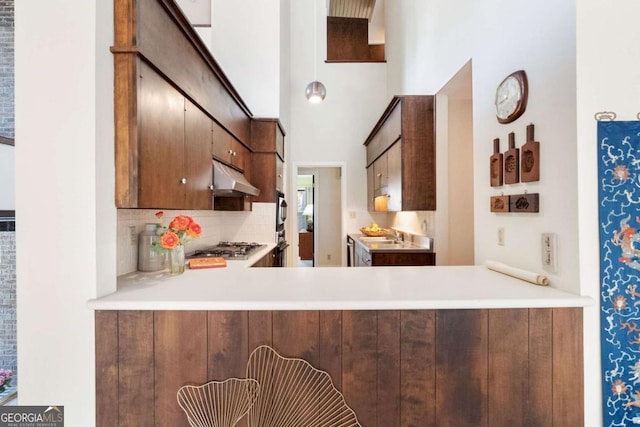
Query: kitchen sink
x=372 y=239
x=386 y=244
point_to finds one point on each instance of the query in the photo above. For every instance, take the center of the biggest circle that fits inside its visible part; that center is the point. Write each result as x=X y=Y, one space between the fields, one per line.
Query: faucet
x=399 y=235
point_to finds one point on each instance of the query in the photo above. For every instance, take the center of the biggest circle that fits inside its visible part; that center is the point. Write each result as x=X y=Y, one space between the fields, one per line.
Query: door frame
x=292 y=227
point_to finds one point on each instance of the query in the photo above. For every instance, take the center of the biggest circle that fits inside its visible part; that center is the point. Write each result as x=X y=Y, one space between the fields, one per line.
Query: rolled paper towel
x=518 y=273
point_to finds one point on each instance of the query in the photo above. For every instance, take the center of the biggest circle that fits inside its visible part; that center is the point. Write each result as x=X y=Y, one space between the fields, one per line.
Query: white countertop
x=331 y=288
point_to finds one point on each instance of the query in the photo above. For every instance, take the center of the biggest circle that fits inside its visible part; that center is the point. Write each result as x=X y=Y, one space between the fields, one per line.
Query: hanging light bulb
x=315 y=91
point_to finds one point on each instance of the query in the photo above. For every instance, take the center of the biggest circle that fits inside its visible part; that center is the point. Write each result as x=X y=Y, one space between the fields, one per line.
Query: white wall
x=608 y=78
x=333 y=131
x=246 y=43
x=328 y=238
x=437 y=38
x=7 y=170
x=55 y=164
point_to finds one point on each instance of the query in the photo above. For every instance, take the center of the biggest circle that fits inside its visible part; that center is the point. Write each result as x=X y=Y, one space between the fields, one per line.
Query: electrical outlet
x=549 y=256
x=500 y=236
x=133 y=234
x=329 y=257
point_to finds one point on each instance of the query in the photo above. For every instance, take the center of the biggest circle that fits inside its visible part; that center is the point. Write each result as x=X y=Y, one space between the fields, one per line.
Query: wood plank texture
x=359 y=365
x=568 y=364
x=180 y=341
x=409 y=368
x=417 y=368
x=106 y=330
x=330 y=345
x=126 y=129
x=461 y=368
x=136 y=401
x=260 y=329
x=388 y=369
x=228 y=335
x=539 y=408
x=296 y=334
x=508 y=374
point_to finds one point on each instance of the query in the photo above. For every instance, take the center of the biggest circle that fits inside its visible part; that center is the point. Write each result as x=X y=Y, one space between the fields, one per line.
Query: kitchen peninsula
x=406 y=345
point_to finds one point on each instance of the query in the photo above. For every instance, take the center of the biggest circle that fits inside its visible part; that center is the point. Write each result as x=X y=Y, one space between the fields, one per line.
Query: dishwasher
x=351 y=252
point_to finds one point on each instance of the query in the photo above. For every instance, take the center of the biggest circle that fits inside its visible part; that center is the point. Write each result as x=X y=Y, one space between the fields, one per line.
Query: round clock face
x=511 y=97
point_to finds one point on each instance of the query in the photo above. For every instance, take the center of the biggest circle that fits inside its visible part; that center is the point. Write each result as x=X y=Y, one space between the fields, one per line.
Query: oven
x=280 y=254
x=281 y=211
x=351 y=252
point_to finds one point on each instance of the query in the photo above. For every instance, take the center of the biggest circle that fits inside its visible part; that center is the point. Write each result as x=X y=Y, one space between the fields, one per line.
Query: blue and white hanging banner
x=619 y=209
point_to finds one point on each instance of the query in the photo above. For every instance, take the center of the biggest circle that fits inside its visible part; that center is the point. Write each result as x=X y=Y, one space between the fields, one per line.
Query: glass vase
x=176 y=260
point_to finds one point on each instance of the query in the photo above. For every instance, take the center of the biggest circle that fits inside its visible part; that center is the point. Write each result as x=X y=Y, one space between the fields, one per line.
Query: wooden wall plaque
x=500 y=204
x=524 y=202
x=512 y=162
x=530 y=158
x=495 y=165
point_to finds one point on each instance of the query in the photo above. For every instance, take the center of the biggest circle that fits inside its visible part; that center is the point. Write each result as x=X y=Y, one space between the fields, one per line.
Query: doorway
x=454 y=139
x=306 y=196
x=319 y=219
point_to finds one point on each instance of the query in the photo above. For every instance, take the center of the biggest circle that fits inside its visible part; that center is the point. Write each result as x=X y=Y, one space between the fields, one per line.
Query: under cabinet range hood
x=228 y=182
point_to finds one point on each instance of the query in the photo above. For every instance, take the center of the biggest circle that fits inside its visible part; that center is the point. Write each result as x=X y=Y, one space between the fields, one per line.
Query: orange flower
x=169 y=240
x=181 y=222
x=194 y=229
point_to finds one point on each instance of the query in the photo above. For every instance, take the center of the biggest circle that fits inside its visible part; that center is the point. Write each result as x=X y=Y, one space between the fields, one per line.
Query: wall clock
x=511 y=97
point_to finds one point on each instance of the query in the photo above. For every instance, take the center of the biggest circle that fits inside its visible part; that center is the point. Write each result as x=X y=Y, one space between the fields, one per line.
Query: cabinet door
x=239 y=155
x=199 y=170
x=161 y=157
x=265 y=261
x=279 y=142
x=370 y=188
x=394 y=177
x=381 y=175
x=221 y=142
x=279 y=174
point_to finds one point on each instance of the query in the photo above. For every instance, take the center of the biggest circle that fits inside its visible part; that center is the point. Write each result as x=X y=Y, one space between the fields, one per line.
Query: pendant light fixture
x=315 y=91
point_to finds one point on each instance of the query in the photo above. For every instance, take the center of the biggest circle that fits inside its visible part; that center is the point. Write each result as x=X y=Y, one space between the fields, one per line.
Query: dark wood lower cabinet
x=503 y=367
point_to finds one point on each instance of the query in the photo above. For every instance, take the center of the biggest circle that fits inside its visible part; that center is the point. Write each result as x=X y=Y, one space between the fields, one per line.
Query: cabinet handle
x=230 y=151
x=234 y=154
x=210 y=186
x=183 y=180
x=279 y=175
x=379 y=175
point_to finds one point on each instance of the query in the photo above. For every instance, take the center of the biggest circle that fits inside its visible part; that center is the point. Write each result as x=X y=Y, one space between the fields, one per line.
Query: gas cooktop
x=228 y=250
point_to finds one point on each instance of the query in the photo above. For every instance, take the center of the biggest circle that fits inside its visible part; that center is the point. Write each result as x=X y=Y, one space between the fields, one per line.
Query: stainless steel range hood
x=228 y=182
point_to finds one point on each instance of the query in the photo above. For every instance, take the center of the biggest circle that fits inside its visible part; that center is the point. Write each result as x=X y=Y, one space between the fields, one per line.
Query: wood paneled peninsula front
x=407 y=346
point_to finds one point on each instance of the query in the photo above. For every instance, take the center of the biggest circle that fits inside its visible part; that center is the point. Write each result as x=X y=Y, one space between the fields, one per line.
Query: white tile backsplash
x=258 y=225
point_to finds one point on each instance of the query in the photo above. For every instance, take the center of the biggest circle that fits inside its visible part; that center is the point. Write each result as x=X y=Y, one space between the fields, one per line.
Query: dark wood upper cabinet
x=198 y=146
x=229 y=150
x=401 y=155
x=175 y=148
x=267 y=160
x=348 y=41
x=161 y=155
x=160 y=64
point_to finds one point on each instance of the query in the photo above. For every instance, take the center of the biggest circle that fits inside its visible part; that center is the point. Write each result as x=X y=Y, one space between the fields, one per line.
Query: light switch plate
x=549 y=251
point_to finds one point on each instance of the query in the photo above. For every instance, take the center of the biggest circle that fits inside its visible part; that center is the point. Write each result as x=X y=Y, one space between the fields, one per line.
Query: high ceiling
x=351 y=8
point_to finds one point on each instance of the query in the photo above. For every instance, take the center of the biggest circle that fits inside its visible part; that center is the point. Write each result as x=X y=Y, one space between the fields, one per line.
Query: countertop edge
x=334 y=288
x=97 y=305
